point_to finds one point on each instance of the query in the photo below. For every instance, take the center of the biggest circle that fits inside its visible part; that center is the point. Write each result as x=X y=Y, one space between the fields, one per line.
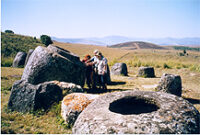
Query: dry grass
x=82 y=50
x=51 y=123
x=139 y=57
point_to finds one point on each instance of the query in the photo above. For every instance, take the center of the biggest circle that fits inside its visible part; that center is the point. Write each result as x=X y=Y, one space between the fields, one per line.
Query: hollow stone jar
x=138 y=112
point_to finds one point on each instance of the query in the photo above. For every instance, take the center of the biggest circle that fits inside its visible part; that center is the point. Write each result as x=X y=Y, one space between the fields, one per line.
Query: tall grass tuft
x=195 y=67
x=113 y=62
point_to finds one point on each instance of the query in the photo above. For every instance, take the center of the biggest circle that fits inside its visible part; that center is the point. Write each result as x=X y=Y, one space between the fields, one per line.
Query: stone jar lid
x=138 y=112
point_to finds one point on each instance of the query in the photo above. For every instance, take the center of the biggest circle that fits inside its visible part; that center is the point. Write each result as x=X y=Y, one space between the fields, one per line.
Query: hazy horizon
x=95 y=18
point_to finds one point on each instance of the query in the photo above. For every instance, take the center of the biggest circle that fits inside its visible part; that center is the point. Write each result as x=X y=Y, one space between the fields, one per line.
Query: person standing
x=89 y=70
x=94 y=60
x=102 y=70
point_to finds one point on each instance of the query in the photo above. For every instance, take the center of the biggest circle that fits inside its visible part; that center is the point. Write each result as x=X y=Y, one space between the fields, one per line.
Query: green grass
x=39 y=122
x=11 y=44
x=6 y=61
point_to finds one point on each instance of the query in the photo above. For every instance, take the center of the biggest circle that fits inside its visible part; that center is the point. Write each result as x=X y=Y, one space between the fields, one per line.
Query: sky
x=99 y=18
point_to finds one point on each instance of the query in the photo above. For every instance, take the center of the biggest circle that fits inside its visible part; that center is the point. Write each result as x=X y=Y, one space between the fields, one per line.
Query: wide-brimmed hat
x=96 y=51
x=99 y=54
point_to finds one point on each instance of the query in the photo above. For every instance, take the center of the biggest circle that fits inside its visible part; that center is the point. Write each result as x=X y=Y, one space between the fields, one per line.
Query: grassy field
x=164 y=61
x=40 y=122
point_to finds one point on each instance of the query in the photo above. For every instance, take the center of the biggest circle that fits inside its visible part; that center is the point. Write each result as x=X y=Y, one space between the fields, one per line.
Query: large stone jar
x=119 y=69
x=19 y=59
x=170 y=83
x=146 y=72
x=54 y=63
x=138 y=112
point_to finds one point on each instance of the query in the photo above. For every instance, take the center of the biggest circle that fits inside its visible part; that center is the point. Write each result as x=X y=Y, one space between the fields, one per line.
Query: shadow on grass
x=117 y=83
x=193 y=101
x=100 y=91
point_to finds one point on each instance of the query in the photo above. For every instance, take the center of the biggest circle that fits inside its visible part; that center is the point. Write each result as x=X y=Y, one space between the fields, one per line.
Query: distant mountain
x=111 y=40
x=136 y=45
x=78 y=41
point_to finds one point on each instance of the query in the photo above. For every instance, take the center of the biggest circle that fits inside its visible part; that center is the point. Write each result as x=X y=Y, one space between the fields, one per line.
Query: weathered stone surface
x=69 y=87
x=119 y=69
x=146 y=72
x=170 y=83
x=28 y=55
x=26 y=97
x=19 y=59
x=46 y=64
x=138 y=112
x=65 y=53
x=73 y=104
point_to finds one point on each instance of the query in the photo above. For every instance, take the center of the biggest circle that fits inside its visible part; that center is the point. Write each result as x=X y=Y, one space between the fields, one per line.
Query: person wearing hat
x=101 y=70
x=94 y=60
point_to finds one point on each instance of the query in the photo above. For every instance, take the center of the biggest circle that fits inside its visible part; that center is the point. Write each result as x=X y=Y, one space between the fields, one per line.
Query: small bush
x=9 y=31
x=166 y=66
x=157 y=66
x=178 y=67
x=185 y=66
x=181 y=54
x=46 y=40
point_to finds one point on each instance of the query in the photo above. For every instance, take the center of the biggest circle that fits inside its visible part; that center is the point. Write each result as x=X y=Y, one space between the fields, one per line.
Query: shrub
x=178 y=67
x=46 y=40
x=9 y=31
x=185 y=66
x=157 y=66
x=181 y=54
x=166 y=66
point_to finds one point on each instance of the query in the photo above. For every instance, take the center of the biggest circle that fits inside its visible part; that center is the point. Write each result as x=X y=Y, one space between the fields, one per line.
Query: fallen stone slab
x=73 y=104
x=69 y=87
x=138 y=112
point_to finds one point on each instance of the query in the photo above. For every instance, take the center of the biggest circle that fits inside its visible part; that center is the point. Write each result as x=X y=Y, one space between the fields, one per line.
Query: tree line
x=186 y=48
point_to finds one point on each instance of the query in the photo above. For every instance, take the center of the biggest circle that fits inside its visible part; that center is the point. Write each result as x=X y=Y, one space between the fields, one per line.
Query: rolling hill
x=137 y=45
x=11 y=44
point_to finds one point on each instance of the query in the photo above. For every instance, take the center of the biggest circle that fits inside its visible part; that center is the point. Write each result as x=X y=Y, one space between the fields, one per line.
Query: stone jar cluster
x=37 y=88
